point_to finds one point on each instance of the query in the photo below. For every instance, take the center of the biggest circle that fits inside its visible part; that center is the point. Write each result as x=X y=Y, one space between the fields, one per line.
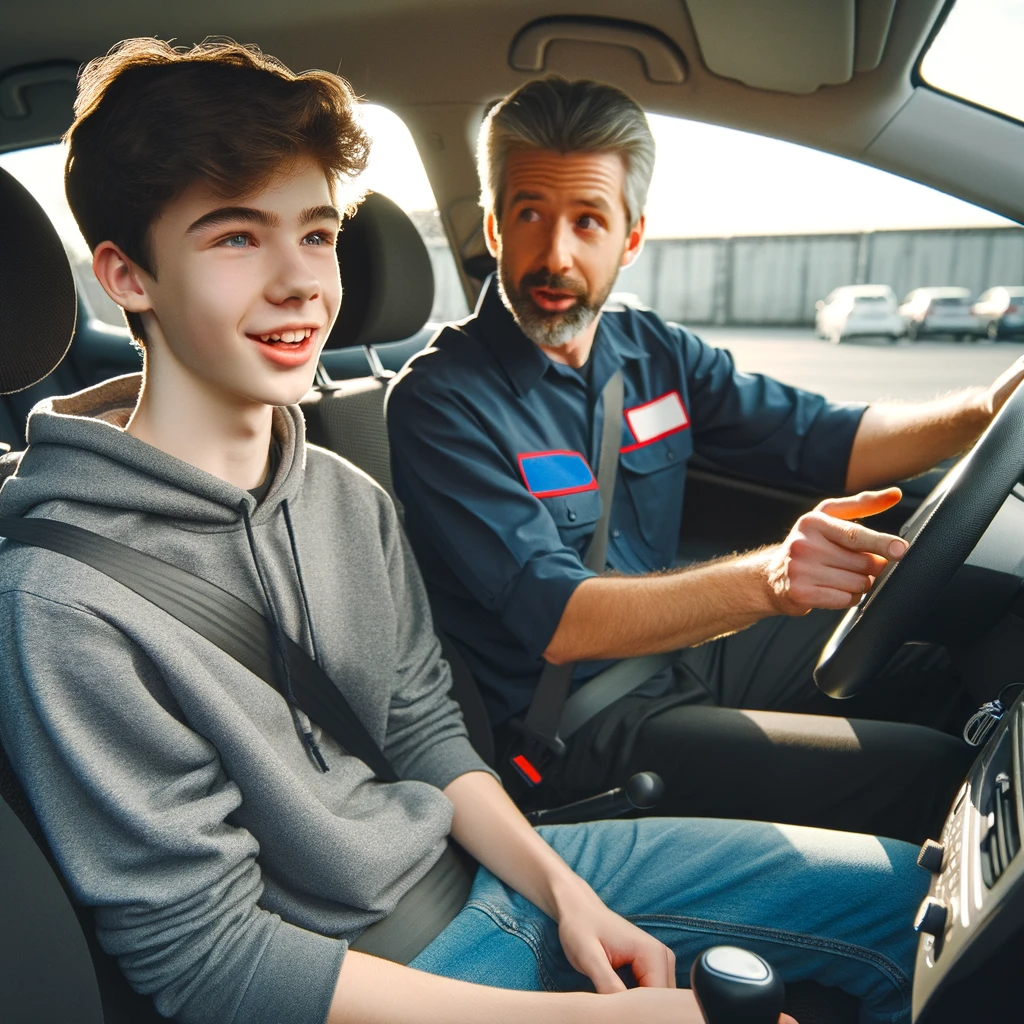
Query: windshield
x=977 y=55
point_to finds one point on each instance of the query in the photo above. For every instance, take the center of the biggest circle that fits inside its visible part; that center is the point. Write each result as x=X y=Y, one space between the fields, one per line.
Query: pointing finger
x=857 y=506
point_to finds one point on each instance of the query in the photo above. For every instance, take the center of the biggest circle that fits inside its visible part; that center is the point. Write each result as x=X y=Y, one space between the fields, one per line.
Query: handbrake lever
x=642 y=792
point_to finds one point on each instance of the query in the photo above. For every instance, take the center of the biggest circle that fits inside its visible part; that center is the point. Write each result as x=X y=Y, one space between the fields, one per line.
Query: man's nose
x=558 y=256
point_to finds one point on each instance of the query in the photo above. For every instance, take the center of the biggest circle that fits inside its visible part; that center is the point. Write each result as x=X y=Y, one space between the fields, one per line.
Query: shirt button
x=615 y=533
x=572 y=516
x=670 y=455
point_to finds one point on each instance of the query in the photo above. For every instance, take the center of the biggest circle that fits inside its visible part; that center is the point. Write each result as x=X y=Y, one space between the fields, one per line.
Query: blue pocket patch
x=552 y=474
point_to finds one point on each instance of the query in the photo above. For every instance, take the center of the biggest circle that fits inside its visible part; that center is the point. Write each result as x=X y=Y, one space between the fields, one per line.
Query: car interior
x=842 y=78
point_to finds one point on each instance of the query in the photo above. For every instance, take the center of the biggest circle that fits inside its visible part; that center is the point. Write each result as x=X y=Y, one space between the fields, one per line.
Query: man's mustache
x=557 y=282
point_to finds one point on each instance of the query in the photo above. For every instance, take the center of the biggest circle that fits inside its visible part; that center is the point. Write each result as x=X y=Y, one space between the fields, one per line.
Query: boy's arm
x=136 y=807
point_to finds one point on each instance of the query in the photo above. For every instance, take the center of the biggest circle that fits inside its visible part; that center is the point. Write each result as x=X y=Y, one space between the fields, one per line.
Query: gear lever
x=735 y=986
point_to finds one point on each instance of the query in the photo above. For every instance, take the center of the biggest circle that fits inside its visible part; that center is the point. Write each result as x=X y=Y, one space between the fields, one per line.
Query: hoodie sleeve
x=426 y=738
x=136 y=807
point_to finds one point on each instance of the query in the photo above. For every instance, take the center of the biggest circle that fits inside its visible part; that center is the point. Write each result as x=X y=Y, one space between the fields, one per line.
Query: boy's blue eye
x=236 y=241
x=319 y=238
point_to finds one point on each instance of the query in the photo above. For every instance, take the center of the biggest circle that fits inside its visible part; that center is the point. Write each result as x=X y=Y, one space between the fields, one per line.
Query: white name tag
x=658 y=418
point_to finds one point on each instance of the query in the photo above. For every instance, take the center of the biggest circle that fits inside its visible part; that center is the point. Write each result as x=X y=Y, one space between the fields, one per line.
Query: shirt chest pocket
x=653 y=477
x=575 y=515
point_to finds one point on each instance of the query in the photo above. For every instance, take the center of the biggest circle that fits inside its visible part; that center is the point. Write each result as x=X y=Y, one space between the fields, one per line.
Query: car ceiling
x=837 y=76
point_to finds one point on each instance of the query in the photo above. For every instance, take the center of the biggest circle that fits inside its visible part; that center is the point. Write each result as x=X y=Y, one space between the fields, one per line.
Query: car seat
x=52 y=968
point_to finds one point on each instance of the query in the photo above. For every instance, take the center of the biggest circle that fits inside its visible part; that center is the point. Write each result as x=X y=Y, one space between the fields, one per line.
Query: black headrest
x=38 y=303
x=386 y=277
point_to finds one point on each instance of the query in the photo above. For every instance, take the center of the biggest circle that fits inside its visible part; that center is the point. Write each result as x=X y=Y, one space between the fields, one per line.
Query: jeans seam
x=513 y=927
x=820 y=943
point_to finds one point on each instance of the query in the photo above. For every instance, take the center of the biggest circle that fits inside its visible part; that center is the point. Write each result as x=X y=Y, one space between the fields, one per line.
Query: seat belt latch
x=527 y=769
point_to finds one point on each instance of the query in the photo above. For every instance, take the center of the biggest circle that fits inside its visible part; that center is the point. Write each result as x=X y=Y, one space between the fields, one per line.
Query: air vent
x=1002 y=840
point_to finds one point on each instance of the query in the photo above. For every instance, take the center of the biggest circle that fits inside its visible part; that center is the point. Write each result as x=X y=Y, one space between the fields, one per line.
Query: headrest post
x=322 y=379
x=376 y=366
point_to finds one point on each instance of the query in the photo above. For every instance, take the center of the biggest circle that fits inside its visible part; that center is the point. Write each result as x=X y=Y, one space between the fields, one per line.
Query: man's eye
x=588 y=223
x=239 y=241
x=529 y=215
x=319 y=238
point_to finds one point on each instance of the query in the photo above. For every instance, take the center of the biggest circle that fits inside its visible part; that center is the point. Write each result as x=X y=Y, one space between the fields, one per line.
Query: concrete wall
x=777 y=279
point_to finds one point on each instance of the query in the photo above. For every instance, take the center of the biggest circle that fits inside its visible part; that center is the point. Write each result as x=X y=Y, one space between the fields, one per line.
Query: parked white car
x=931 y=311
x=858 y=310
x=999 y=311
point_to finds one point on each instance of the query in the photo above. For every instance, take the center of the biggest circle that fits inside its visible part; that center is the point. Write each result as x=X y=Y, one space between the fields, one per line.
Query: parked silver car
x=932 y=311
x=858 y=310
x=999 y=312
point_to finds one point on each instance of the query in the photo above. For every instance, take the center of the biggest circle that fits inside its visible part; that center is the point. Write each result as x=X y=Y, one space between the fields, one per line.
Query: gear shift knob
x=735 y=986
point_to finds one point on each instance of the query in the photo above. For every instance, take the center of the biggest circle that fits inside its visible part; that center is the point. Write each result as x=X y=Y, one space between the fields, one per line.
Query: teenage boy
x=231 y=849
x=494 y=430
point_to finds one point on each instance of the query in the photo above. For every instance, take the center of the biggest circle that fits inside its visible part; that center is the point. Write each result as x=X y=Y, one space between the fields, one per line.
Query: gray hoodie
x=228 y=871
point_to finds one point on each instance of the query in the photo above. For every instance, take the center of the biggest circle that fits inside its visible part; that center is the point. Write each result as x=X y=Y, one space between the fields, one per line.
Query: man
x=238 y=858
x=495 y=432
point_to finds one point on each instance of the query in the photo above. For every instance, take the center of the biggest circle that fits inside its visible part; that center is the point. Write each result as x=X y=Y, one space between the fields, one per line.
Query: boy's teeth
x=288 y=337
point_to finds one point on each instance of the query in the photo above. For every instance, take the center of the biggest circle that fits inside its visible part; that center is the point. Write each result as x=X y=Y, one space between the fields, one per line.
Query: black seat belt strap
x=545 y=714
x=227 y=622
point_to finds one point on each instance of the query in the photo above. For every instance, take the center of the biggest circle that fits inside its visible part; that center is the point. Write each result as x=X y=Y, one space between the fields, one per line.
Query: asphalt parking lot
x=864 y=370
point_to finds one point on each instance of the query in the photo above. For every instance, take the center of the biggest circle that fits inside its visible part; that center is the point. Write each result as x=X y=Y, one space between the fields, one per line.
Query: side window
x=771 y=250
x=395 y=169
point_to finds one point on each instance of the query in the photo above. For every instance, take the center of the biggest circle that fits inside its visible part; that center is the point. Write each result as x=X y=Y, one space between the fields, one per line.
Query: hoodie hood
x=79 y=451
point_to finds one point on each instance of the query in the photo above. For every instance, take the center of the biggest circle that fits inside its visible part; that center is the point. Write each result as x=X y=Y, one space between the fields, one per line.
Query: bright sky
x=712 y=181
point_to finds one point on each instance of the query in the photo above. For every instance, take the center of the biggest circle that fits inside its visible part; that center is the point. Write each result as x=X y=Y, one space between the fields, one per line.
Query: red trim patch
x=668 y=418
x=556 y=473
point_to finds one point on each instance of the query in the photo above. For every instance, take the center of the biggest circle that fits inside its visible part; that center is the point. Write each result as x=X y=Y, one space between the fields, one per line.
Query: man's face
x=247 y=290
x=563 y=237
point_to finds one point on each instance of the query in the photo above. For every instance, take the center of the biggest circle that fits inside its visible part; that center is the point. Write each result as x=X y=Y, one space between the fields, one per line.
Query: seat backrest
x=51 y=966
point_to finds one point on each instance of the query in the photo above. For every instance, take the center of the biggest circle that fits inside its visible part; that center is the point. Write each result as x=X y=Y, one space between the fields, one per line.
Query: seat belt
x=226 y=621
x=553 y=715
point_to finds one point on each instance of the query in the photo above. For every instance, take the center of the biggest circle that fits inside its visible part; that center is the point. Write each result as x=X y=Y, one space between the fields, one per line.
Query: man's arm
x=827 y=561
x=894 y=442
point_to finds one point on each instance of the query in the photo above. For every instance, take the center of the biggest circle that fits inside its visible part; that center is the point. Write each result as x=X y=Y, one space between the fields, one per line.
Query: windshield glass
x=977 y=55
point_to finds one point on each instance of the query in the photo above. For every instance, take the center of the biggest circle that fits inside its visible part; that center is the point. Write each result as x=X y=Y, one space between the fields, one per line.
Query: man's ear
x=634 y=242
x=491 y=233
x=122 y=279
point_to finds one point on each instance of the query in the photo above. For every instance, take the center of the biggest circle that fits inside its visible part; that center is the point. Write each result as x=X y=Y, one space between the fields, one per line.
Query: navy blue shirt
x=493 y=450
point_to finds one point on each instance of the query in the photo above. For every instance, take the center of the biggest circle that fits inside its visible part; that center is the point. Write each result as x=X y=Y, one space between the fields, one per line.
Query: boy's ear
x=122 y=279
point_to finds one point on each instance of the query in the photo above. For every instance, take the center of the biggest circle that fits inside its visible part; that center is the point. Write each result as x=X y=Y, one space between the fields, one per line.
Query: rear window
x=871 y=300
x=946 y=301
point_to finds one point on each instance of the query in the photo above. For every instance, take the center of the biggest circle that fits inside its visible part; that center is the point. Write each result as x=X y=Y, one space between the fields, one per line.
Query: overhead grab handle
x=662 y=61
x=13 y=85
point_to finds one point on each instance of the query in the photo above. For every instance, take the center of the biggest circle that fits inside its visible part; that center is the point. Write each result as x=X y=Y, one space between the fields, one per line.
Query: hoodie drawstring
x=302 y=723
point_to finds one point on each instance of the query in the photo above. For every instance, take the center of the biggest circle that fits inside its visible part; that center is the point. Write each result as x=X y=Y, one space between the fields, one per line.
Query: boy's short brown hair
x=151 y=119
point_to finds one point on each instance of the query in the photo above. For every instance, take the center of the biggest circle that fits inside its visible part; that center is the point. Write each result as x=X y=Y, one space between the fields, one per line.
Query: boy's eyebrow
x=319 y=213
x=234 y=214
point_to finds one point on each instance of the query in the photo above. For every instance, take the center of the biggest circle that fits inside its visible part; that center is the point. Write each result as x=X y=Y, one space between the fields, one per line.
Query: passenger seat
x=387 y=293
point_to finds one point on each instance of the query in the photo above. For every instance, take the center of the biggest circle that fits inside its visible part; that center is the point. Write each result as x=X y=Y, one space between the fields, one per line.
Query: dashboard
x=976 y=899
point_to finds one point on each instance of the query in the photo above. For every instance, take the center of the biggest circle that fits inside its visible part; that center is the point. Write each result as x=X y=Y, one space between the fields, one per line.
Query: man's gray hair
x=567 y=117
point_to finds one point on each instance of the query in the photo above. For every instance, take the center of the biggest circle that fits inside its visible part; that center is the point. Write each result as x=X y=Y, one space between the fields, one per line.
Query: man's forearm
x=629 y=616
x=894 y=442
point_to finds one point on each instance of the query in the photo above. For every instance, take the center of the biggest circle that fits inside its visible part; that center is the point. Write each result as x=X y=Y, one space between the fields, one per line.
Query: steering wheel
x=941 y=534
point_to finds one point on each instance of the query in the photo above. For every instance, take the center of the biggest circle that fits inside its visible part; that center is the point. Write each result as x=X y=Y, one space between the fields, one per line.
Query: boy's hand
x=597 y=941
x=828 y=561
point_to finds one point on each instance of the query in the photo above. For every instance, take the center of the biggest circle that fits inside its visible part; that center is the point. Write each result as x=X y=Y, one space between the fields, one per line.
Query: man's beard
x=544 y=327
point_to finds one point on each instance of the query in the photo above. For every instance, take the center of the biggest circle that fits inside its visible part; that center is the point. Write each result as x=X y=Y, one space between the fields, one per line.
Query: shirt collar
x=523 y=362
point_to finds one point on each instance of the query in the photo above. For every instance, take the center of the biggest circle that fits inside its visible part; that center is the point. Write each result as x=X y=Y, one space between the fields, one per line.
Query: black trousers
x=739 y=730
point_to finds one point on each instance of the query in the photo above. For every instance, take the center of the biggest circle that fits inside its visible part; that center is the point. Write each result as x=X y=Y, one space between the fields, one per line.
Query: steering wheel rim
x=941 y=534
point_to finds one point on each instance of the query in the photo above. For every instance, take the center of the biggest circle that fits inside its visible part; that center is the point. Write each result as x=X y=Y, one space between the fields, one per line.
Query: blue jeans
x=833 y=907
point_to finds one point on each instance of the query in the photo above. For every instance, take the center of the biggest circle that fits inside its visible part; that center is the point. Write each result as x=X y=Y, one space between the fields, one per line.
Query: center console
x=976 y=899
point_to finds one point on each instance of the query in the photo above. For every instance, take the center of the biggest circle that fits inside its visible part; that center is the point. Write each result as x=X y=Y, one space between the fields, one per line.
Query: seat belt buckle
x=536 y=753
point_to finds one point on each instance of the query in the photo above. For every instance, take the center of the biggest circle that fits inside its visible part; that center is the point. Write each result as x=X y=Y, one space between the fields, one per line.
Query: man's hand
x=1004 y=385
x=829 y=561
